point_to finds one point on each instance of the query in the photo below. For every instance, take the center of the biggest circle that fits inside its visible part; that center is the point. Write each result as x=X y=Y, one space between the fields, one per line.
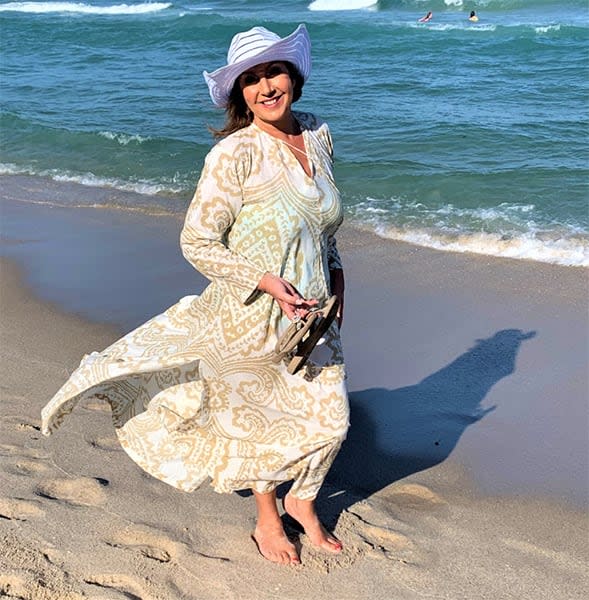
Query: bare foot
x=303 y=511
x=273 y=544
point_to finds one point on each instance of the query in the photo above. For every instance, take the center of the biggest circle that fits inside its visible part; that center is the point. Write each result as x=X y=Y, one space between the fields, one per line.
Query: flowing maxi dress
x=195 y=392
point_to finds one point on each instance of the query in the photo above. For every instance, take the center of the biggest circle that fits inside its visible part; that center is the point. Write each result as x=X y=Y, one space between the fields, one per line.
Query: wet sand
x=465 y=474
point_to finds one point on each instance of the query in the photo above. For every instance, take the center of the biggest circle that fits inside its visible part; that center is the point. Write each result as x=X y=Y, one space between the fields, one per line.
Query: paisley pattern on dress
x=195 y=392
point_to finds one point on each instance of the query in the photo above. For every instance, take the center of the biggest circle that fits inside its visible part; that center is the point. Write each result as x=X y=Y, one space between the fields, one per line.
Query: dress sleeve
x=212 y=212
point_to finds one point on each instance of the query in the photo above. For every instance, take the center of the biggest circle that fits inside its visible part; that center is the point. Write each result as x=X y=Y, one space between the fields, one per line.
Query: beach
x=461 y=157
x=464 y=475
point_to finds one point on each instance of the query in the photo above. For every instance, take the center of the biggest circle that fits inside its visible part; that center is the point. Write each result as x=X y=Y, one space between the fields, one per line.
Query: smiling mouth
x=271 y=101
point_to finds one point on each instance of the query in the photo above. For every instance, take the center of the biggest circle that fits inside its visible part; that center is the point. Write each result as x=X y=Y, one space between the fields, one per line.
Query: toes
x=282 y=556
x=328 y=542
x=331 y=545
x=334 y=546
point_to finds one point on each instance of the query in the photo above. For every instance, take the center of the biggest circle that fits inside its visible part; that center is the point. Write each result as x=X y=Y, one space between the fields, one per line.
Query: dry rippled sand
x=65 y=536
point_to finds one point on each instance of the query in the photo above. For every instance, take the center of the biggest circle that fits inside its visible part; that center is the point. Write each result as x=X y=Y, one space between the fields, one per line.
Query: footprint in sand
x=372 y=526
x=376 y=540
x=121 y=585
x=19 y=509
x=21 y=424
x=412 y=495
x=157 y=545
x=26 y=467
x=82 y=491
x=11 y=450
x=150 y=543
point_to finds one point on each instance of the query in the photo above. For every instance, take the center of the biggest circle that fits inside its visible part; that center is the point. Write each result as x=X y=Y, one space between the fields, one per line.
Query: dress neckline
x=291 y=152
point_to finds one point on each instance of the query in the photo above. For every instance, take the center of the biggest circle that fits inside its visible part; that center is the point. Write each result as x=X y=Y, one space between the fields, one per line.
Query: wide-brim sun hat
x=253 y=47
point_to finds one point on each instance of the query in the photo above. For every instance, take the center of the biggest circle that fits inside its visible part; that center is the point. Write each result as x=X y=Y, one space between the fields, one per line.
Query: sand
x=465 y=474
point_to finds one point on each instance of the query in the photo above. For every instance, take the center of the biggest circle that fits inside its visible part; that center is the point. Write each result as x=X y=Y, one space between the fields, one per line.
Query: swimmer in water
x=427 y=17
x=473 y=17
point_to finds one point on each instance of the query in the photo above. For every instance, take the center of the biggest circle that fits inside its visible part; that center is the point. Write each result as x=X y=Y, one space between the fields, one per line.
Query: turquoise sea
x=456 y=135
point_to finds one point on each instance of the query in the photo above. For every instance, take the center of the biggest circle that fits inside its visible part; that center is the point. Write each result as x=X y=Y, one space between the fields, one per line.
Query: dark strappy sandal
x=303 y=335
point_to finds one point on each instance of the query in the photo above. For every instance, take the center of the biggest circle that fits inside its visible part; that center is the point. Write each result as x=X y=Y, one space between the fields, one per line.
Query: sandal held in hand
x=303 y=335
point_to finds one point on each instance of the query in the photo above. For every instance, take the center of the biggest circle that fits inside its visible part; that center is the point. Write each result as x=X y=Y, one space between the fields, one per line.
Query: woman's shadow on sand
x=395 y=433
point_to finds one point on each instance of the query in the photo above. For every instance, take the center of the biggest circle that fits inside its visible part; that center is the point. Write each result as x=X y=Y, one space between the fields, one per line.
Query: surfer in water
x=427 y=17
x=473 y=17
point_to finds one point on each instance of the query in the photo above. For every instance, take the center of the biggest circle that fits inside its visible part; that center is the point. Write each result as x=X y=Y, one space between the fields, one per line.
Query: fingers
x=310 y=303
x=300 y=304
x=296 y=311
x=279 y=288
x=292 y=303
x=288 y=309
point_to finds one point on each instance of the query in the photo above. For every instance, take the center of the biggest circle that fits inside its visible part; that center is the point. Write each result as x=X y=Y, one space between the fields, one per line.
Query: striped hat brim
x=254 y=47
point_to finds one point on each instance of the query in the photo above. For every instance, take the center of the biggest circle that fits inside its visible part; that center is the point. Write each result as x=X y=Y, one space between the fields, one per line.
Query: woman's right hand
x=289 y=299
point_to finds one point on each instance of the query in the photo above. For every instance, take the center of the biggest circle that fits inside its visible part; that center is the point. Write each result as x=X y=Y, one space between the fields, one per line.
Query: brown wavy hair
x=238 y=115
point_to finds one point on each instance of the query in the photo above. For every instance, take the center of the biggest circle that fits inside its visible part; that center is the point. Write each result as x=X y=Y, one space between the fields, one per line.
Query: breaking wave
x=81 y=8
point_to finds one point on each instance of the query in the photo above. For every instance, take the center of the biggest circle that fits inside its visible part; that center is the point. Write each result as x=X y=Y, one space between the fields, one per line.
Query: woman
x=196 y=392
x=427 y=17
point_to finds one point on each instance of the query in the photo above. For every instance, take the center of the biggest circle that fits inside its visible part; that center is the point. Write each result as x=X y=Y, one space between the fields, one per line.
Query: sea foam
x=123 y=139
x=505 y=230
x=567 y=252
x=341 y=4
x=547 y=28
x=81 y=8
x=174 y=186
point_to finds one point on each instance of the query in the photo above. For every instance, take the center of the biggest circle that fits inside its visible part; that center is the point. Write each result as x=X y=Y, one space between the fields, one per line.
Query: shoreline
x=461 y=473
x=48 y=192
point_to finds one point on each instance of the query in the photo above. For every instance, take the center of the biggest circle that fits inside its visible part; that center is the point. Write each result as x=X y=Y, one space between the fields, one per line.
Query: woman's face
x=268 y=92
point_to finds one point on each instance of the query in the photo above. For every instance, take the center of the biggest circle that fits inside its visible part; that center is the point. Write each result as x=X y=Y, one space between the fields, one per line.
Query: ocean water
x=455 y=135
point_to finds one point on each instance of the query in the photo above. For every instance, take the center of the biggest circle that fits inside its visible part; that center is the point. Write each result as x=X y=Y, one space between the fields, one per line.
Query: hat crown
x=256 y=46
x=250 y=43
